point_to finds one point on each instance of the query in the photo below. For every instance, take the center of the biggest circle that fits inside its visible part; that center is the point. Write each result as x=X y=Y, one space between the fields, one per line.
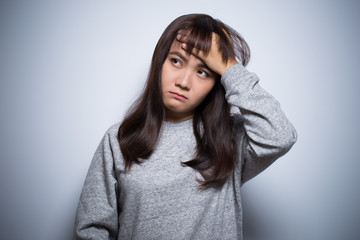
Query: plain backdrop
x=70 y=69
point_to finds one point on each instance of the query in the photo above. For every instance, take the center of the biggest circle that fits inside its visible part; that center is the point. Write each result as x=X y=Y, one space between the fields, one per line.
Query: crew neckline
x=181 y=123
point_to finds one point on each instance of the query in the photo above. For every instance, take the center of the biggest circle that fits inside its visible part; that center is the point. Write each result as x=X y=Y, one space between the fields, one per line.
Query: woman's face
x=186 y=81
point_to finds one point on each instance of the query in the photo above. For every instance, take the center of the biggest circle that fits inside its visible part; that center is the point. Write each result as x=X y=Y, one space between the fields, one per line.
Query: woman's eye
x=203 y=73
x=175 y=61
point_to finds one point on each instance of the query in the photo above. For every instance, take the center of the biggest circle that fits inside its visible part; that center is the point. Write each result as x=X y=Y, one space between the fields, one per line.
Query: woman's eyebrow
x=200 y=65
x=180 y=56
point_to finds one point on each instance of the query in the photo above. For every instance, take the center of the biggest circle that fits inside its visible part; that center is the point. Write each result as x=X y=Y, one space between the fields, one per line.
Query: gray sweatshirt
x=160 y=199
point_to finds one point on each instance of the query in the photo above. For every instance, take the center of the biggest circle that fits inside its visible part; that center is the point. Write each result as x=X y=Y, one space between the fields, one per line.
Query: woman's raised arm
x=268 y=133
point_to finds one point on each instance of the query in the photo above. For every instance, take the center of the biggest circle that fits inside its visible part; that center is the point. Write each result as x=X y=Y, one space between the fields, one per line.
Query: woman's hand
x=214 y=58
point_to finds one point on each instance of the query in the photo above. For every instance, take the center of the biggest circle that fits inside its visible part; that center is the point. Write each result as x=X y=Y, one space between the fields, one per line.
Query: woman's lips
x=177 y=95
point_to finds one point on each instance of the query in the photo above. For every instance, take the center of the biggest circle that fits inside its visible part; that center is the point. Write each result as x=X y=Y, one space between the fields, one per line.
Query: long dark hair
x=215 y=156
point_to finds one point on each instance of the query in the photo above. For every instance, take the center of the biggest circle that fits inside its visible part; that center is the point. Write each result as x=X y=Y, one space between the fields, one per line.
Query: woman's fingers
x=213 y=59
x=183 y=39
x=194 y=51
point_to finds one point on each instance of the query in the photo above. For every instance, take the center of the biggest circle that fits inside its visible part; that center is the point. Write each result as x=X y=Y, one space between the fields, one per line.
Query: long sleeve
x=268 y=133
x=97 y=213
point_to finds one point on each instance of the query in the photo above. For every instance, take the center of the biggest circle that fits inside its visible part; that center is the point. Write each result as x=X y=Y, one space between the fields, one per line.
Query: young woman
x=173 y=168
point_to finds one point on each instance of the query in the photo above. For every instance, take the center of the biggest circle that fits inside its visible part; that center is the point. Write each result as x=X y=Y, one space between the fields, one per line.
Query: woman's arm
x=268 y=133
x=97 y=213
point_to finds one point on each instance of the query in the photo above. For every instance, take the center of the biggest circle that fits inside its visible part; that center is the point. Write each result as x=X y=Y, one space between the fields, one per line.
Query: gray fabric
x=159 y=199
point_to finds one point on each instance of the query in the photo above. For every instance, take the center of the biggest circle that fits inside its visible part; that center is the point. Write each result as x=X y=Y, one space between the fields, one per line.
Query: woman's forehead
x=176 y=47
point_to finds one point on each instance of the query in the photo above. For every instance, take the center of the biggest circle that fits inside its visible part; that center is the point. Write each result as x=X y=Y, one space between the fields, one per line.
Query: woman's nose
x=184 y=81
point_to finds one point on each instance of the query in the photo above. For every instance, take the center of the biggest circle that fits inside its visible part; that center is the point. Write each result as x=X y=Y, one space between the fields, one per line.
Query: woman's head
x=199 y=29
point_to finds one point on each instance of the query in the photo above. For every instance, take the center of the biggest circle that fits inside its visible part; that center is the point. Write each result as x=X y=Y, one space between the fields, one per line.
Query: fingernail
x=178 y=37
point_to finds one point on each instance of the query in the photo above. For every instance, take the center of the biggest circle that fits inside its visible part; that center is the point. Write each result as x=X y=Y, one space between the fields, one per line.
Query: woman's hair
x=216 y=149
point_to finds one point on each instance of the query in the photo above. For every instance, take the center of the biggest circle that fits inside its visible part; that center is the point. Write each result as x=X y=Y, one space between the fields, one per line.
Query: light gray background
x=70 y=69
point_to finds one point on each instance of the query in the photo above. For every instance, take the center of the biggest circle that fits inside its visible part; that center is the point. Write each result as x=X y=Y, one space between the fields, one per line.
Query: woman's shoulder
x=111 y=134
x=110 y=141
x=113 y=129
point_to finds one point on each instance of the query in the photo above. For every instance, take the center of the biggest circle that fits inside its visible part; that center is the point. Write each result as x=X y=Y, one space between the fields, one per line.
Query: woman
x=202 y=127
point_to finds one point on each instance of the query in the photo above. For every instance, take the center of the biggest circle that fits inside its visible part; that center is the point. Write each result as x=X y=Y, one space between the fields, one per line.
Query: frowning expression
x=186 y=81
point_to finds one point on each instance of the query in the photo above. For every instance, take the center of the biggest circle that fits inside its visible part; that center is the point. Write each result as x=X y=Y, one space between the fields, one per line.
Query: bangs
x=199 y=37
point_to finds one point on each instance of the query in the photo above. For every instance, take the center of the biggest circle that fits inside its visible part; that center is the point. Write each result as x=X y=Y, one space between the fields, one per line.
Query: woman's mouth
x=178 y=96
